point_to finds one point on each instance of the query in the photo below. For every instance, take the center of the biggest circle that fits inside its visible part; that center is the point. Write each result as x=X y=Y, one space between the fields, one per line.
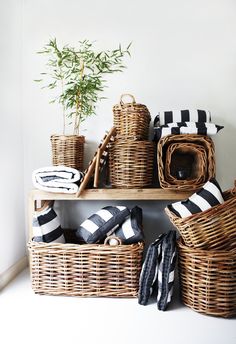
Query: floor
x=30 y=318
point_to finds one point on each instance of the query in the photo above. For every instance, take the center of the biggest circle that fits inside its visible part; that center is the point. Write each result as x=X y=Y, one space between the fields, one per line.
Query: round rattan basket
x=208 y=280
x=68 y=150
x=171 y=152
x=131 y=163
x=131 y=119
x=214 y=228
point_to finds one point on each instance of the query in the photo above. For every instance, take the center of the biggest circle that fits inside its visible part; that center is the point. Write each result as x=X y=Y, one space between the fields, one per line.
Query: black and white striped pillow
x=209 y=196
x=46 y=227
x=101 y=224
x=165 y=117
x=166 y=270
x=130 y=231
x=177 y=128
x=149 y=272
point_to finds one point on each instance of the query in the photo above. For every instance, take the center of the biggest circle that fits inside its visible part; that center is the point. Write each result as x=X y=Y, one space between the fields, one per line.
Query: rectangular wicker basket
x=177 y=151
x=85 y=270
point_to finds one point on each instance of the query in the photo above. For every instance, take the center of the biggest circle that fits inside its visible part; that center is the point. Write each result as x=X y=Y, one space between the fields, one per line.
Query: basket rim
x=206 y=252
x=84 y=247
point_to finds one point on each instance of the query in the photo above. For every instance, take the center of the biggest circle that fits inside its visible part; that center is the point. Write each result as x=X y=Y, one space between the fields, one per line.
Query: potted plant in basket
x=78 y=75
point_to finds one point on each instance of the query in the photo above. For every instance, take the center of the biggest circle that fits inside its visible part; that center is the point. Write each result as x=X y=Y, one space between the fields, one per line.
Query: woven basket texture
x=131 y=120
x=214 y=228
x=131 y=163
x=194 y=153
x=208 y=280
x=68 y=150
x=85 y=270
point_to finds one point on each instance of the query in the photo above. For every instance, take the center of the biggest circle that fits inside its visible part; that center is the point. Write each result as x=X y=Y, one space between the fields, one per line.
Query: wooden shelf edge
x=114 y=194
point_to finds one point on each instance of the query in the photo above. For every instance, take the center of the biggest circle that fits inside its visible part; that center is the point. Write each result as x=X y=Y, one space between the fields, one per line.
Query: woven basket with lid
x=131 y=119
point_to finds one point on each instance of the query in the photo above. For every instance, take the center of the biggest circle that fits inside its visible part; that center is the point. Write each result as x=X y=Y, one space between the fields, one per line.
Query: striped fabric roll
x=177 y=128
x=149 y=272
x=130 y=230
x=46 y=227
x=101 y=224
x=166 y=270
x=165 y=117
x=209 y=196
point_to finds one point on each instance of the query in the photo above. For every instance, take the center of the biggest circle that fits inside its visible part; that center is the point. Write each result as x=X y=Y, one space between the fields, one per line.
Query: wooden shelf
x=113 y=194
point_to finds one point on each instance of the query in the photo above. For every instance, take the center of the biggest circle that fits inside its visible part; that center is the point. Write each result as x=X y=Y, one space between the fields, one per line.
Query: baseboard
x=8 y=275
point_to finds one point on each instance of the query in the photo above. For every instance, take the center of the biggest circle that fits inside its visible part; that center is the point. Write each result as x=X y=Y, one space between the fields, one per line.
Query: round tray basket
x=214 y=228
x=68 y=150
x=131 y=119
x=208 y=280
x=174 y=150
x=131 y=163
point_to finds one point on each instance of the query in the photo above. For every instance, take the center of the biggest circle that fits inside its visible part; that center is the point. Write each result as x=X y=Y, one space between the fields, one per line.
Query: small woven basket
x=131 y=119
x=214 y=228
x=190 y=152
x=68 y=150
x=131 y=163
x=208 y=280
x=85 y=270
x=189 y=157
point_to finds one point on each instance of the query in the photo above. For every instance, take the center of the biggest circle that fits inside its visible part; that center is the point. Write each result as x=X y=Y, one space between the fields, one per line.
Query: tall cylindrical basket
x=68 y=150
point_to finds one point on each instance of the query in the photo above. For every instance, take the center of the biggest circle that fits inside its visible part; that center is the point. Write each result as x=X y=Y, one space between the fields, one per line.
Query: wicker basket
x=194 y=152
x=85 y=270
x=208 y=280
x=68 y=150
x=131 y=164
x=214 y=228
x=131 y=120
x=189 y=157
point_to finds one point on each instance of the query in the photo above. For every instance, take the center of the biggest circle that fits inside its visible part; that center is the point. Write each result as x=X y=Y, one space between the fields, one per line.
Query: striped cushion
x=176 y=128
x=130 y=230
x=209 y=196
x=148 y=276
x=166 y=270
x=171 y=116
x=101 y=224
x=46 y=227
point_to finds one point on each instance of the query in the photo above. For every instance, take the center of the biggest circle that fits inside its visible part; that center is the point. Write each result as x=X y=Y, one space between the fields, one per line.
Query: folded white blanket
x=57 y=179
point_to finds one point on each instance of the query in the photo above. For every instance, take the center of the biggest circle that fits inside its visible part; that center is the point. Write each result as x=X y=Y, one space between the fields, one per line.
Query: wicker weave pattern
x=208 y=280
x=211 y=229
x=85 y=270
x=131 y=120
x=201 y=148
x=131 y=163
x=68 y=150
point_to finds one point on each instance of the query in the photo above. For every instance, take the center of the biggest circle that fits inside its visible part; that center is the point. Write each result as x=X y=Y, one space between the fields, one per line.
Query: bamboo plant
x=79 y=76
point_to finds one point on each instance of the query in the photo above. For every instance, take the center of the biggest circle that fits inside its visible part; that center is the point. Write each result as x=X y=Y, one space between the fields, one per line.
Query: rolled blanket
x=176 y=128
x=165 y=117
x=57 y=179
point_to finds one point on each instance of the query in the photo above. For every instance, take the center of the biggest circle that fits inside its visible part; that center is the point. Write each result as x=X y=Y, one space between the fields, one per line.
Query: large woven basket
x=214 y=228
x=68 y=150
x=131 y=120
x=85 y=270
x=175 y=151
x=208 y=280
x=131 y=163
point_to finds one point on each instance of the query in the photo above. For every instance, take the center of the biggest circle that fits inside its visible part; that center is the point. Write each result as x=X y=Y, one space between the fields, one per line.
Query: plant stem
x=63 y=104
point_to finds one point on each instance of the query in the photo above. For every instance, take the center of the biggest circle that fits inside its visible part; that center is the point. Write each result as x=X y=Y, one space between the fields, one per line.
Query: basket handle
x=127 y=95
x=106 y=241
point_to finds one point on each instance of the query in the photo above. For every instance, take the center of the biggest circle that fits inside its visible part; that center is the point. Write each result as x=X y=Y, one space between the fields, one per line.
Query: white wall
x=12 y=234
x=183 y=55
